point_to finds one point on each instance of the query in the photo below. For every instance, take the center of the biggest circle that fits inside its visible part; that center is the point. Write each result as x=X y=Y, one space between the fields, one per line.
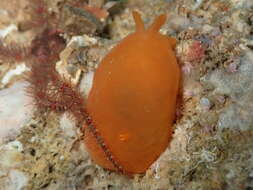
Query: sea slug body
x=132 y=102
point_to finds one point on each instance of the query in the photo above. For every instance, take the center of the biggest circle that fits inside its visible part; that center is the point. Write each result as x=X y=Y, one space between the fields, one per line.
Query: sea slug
x=132 y=102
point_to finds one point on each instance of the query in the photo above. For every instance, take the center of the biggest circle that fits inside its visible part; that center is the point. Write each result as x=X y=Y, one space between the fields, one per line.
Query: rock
x=68 y=125
x=15 y=110
x=239 y=88
x=16 y=180
x=77 y=21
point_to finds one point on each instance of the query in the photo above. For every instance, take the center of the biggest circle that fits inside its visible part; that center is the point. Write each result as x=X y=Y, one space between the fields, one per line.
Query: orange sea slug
x=132 y=102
